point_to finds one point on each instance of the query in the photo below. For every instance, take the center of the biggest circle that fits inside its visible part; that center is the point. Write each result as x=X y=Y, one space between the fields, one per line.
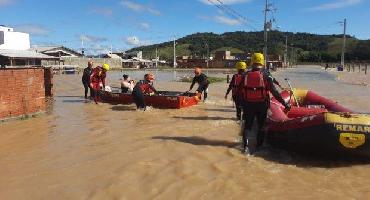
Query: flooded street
x=79 y=150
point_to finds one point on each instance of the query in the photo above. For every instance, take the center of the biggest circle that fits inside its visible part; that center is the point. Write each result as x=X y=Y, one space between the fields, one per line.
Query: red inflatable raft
x=163 y=99
x=318 y=125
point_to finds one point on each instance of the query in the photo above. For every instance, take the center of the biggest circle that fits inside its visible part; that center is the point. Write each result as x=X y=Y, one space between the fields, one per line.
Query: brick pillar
x=48 y=78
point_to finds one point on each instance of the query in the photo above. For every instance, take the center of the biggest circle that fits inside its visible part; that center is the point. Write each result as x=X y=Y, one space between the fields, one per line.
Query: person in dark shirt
x=237 y=87
x=143 y=87
x=86 y=78
x=202 y=81
x=257 y=86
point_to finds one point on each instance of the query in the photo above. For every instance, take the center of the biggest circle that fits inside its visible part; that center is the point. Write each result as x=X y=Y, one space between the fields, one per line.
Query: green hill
x=303 y=46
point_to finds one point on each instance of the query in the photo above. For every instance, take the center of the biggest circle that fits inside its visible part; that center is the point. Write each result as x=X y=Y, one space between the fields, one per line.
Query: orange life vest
x=255 y=87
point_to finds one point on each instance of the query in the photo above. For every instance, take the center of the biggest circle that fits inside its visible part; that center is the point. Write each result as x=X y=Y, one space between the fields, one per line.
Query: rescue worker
x=202 y=81
x=97 y=79
x=143 y=87
x=257 y=86
x=86 y=78
x=237 y=87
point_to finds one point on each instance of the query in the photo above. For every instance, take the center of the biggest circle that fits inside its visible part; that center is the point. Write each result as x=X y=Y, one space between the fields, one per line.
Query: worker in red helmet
x=142 y=88
x=202 y=81
x=97 y=80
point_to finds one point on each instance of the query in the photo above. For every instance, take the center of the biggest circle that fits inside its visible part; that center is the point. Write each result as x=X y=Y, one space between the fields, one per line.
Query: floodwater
x=79 y=150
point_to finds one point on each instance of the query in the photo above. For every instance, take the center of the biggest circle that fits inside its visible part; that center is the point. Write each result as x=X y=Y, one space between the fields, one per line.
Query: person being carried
x=257 y=86
x=97 y=79
x=237 y=87
x=86 y=79
x=143 y=87
x=127 y=85
x=202 y=81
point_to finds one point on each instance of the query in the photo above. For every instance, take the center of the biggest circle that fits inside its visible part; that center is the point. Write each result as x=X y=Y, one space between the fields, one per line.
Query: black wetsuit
x=86 y=80
x=203 y=83
x=138 y=92
x=237 y=98
x=259 y=110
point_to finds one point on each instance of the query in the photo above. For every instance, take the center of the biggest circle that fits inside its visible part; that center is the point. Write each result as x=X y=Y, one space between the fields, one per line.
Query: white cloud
x=336 y=5
x=227 y=21
x=6 y=2
x=139 y=7
x=32 y=29
x=103 y=11
x=135 y=41
x=144 y=26
x=132 y=41
x=228 y=2
x=92 y=39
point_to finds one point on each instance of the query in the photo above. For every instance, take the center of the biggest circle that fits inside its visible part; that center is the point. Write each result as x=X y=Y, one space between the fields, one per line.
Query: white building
x=13 y=40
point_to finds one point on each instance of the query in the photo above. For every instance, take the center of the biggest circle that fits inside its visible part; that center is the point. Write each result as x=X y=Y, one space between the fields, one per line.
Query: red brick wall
x=22 y=92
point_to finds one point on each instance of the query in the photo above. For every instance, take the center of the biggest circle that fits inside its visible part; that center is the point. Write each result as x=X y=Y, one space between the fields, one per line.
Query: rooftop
x=24 y=54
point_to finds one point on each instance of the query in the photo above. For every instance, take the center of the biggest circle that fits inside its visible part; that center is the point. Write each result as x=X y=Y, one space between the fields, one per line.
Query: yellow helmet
x=241 y=65
x=106 y=67
x=258 y=58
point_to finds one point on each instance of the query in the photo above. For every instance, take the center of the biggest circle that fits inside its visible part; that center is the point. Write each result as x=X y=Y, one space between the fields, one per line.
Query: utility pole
x=344 y=42
x=267 y=25
x=207 y=55
x=82 y=47
x=174 y=52
x=156 y=57
x=286 y=52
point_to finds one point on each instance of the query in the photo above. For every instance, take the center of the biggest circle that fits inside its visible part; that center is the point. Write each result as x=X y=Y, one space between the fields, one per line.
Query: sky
x=101 y=25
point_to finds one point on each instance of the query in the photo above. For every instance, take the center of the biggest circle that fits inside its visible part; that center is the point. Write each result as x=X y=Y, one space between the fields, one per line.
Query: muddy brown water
x=79 y=150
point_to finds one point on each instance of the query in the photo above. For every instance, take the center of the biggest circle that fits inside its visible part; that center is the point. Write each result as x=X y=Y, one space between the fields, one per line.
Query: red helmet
x=149 y=77
x=197 y=71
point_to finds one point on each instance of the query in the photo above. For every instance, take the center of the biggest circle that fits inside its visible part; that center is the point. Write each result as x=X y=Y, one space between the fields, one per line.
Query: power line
x=232 y=13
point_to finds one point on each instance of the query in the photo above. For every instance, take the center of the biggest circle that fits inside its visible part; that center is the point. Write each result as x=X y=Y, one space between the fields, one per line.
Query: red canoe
x=164 y=99
x=318 y=125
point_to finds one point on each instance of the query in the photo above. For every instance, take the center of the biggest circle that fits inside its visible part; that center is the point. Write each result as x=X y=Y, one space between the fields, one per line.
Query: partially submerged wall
x=82 y=62
x=22 y=91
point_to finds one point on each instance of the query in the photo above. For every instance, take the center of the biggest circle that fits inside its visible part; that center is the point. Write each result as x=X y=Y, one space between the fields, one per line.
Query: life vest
x=145 y=87
x=97 y=76
x=255 y=87
x=237 y=89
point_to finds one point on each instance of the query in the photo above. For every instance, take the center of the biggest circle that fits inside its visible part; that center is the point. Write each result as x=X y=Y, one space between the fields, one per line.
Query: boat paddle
x=292 y=93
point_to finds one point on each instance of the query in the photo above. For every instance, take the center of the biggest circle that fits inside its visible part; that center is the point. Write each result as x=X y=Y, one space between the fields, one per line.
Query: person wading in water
x=143 y=87
x=202 y=81
x=237 y=87
x=97 y=79
x=257 y=86
x=86 y=79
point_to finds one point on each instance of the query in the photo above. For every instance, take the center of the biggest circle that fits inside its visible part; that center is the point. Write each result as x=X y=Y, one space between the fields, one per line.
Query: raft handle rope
x=291 y=90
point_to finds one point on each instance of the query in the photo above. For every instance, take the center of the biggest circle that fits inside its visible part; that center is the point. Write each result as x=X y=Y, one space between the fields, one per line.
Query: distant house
x=9 y=39
x=223 y=55
x=24 y=58
x=133 y=54
x=57 y=51
x=15 y=50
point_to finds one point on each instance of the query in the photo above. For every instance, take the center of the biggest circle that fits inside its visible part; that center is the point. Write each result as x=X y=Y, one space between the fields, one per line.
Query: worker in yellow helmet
x=257 y=88
x=237 y=87
x=97 y=79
